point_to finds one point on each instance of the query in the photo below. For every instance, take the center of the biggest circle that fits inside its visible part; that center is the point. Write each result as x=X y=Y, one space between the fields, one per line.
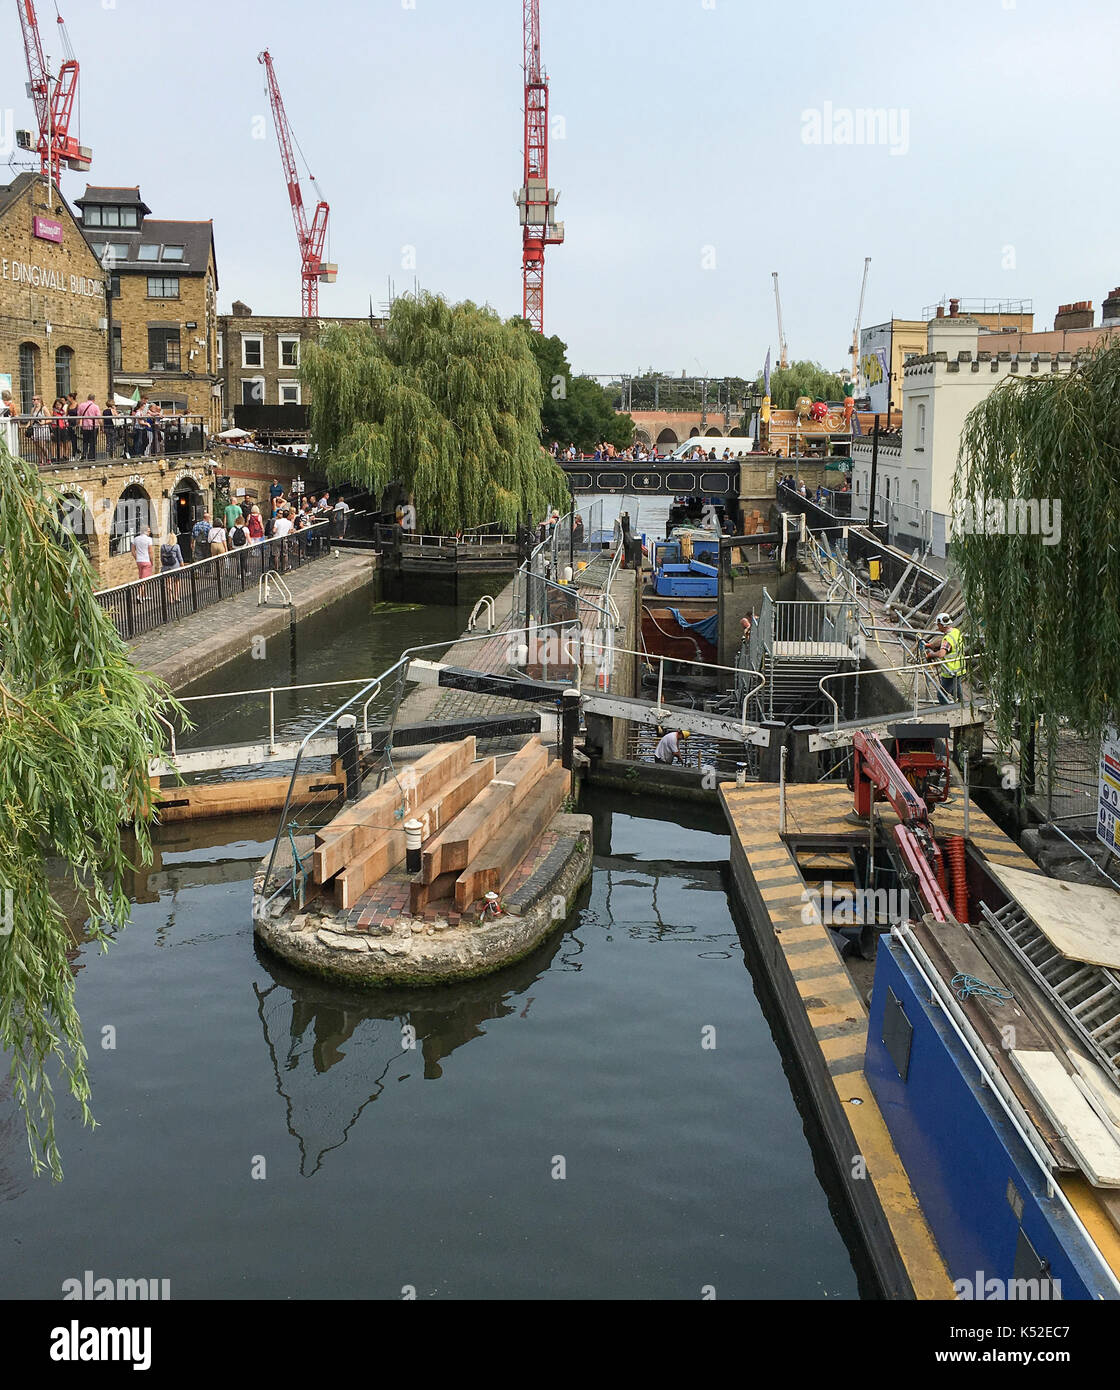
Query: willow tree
x=446 y=403
x=1043 y=612
x=78 y=724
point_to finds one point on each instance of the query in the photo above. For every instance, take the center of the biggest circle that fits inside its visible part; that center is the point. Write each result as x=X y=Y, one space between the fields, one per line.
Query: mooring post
x=413 y=838
x=347 y=730
x=768 y=762
x=569 y=726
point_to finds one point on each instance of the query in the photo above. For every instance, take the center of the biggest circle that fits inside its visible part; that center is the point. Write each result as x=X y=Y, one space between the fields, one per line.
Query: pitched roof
x=196 y=239
x=122 y=197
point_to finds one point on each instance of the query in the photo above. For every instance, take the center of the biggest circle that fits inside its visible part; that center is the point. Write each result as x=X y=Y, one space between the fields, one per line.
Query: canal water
x=610 y=1118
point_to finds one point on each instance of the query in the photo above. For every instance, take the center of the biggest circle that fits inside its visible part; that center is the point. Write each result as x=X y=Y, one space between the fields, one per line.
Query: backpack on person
x=167 y=559
x=239 y=536
x=270 y=526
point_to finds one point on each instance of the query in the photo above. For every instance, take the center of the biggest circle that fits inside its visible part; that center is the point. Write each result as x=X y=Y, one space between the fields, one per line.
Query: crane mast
x=859 y=320
x=535 y=200
x=781 y=334
x=53 y=110
x=311 y=236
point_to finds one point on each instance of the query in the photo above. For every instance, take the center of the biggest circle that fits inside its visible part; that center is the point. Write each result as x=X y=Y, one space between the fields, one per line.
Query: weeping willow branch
x=447 y=404
x=1046 y=617
x=78 y=724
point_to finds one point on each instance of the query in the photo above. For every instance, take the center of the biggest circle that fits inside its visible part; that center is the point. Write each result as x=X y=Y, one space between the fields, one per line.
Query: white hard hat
x=945 y=618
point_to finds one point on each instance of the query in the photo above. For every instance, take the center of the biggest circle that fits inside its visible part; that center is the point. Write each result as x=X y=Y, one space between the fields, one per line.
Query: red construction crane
x=52 y=109
x=311 y=238
x=536 y=201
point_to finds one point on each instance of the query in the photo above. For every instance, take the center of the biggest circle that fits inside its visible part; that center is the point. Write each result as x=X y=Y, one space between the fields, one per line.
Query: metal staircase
x=794 y=644
x=1087 y=995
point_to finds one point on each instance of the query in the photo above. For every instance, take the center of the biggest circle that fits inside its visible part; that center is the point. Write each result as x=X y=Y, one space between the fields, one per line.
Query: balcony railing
x=52 y=442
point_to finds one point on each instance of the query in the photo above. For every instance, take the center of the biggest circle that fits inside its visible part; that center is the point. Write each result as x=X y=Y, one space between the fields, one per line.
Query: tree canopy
x=78 y=724
x=575 y=409
x=1044 y=617
x=801 y=379
x=447 y=403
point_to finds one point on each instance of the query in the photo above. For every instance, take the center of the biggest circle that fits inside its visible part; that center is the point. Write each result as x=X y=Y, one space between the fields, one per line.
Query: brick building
x=164 y=308
x=53 y=329
x=259 y=357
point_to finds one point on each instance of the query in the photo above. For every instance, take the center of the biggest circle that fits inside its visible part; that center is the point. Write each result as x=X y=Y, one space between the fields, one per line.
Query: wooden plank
x=492 y=868
x=358 y=827
x=421 y=894
x=455 y=847
x=388 y=849
x=248 y=797
x=1092 y=1145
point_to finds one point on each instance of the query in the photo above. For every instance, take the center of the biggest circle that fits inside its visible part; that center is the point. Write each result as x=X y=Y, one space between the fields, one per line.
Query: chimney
x=941 y=311
x=1077 y=315
x=241 y=311
x=1110 y=309
x=954 y=308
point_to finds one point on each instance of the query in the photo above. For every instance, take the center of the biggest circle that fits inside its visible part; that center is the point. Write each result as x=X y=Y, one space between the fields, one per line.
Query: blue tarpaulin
x=708 y=628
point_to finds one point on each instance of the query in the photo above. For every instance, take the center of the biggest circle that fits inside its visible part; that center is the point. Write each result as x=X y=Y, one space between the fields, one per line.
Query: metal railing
x=53 y=442
x=146 y=604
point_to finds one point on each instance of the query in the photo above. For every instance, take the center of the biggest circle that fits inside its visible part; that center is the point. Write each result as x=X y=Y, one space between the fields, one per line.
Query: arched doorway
x=133 y=512
x=75 y=521
x=668 y=437
x=187 y=506
x=713 y=434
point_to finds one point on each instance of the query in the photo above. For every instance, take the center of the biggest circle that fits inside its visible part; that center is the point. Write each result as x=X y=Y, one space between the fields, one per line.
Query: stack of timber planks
x=478 y=826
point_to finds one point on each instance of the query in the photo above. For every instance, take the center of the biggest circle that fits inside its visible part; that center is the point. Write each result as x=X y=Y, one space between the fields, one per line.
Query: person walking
x=171 y=558
x=341 y=515
x=200 y=536
x=217 y=539
x=233 y=514
x=39 y=431
x=142 y=552
x=89 y=412
x=239 y=535
x=256 y=525
x=945 y=648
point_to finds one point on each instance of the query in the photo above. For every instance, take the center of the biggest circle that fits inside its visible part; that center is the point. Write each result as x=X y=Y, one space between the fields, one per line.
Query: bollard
x=740 y=774
x=569 y=726
x=348 y=755
x=413 y=833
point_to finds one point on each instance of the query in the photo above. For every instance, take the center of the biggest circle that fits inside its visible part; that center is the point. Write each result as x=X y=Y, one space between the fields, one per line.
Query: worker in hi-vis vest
x=945 y=648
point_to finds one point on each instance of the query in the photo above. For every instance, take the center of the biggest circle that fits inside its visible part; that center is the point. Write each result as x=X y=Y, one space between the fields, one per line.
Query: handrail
x=854 y=675
x=486 y=603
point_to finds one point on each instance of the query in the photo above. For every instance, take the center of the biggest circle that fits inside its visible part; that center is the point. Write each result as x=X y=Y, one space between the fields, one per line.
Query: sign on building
x=47 y=230
x=874 y=364
x=1108 y=799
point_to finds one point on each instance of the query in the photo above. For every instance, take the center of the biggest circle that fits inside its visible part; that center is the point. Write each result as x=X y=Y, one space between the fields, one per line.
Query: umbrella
x=234 y=433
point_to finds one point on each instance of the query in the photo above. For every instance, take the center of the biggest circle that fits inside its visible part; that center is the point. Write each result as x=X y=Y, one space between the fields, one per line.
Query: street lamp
x=107 y=267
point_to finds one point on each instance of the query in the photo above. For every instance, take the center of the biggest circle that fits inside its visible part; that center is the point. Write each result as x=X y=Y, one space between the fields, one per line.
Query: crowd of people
x=85 y=431
x=638 y=453
x=242 y=524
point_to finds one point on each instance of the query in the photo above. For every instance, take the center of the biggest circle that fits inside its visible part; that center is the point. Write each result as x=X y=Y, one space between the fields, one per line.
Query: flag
x=136 y=395
x=766 y=375
x=857 y=428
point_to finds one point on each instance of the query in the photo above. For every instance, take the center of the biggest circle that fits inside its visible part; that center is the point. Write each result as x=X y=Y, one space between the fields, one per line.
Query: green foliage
x=575 y=409
x=801 y=379
x=78 y=724
x=1048 y=616
x=447 y=403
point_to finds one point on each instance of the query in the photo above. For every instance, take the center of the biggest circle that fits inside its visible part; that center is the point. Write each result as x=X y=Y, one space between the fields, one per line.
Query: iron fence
x=148 y=603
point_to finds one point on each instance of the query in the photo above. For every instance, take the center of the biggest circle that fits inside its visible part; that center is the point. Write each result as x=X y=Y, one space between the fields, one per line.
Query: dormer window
x=91 y=217
x=109 y=215
x=148 y=252
x=172 y=253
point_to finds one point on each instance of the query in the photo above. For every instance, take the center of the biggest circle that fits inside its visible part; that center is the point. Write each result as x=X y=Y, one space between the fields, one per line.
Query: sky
x=699 y=145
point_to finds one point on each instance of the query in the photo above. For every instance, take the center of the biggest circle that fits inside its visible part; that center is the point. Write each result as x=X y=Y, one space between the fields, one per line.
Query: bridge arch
x=668 y=436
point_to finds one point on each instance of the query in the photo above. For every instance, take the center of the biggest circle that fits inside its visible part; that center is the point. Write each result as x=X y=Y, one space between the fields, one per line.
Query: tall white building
x=914 y=478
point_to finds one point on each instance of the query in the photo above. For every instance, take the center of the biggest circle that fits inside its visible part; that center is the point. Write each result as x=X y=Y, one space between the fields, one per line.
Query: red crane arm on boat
x=926 y=875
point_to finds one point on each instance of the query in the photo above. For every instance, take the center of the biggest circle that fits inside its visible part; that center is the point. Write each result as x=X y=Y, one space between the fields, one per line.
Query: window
x=148 y=252
x=63 y=371
x=163 y=349
x=921 y=426
x=252 y=350
x=91 y=217
x=115 y=281
x=172 y=253
x=163 y=287
x=289 y=352
x=221 y=350
x=128 y=217
x=110 y=217
x=28 y=372
x=175 y=406
x=252 y=390
x=118 y=349
x=289 y=393
x=917 y=493
x=117 y=250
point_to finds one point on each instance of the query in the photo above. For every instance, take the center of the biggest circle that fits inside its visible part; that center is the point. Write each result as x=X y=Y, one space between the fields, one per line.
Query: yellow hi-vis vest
x=953 y=664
